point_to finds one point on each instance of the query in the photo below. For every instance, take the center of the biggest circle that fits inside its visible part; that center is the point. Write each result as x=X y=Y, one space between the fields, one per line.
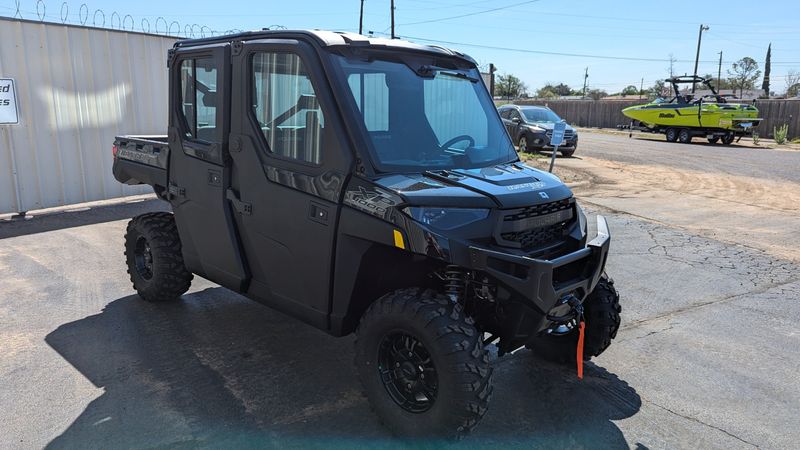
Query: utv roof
x=328 y=39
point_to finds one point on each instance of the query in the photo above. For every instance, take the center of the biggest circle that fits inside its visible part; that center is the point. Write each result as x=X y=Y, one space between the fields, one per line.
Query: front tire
x=422 y=364
x=602 y=315
x=153 y=255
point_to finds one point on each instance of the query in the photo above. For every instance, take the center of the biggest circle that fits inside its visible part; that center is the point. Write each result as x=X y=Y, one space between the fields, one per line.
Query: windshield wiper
x=430 y=71
x=463 y=76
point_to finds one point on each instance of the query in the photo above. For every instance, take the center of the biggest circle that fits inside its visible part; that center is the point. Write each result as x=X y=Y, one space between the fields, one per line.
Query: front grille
x=536 y=237
x=568 y=134
x=536 y=226
x=537 y=210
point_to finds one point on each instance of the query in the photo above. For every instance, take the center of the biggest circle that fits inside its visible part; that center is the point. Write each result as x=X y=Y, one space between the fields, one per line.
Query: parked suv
x=368 y=186
x=531 y=128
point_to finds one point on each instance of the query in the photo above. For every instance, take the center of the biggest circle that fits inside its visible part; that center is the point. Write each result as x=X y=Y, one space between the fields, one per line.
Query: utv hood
x=503 y=186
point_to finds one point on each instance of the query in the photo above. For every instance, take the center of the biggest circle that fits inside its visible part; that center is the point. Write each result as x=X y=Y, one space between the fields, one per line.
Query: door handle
x=318 y=213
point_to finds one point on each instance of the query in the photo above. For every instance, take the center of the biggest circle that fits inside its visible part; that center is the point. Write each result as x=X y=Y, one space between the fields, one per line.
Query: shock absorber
x=455 y=283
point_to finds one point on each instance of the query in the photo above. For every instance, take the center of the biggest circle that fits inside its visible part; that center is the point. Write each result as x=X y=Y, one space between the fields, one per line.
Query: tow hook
x=565 y=323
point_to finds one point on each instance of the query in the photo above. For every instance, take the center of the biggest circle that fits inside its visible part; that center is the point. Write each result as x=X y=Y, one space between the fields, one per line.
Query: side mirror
x=516 y=120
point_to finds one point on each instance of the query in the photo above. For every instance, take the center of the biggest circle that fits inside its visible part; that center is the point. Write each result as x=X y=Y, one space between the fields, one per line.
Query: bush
x=780 y=134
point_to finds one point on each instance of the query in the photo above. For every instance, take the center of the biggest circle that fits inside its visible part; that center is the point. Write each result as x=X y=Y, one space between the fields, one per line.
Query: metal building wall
x=77 y=88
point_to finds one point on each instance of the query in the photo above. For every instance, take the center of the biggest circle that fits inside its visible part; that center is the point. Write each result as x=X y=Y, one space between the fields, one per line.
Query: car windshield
x=426 y=118
x=540 y=115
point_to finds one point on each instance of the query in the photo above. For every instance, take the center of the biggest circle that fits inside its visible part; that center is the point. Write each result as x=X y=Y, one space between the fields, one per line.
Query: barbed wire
x=115 y=21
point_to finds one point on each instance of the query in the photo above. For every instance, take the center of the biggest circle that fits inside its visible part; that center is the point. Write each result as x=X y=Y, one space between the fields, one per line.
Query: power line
x=578 y=55
x=470 y=14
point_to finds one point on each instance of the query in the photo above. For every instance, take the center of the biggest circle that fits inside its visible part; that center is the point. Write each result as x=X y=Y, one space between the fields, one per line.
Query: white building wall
x=77 y=88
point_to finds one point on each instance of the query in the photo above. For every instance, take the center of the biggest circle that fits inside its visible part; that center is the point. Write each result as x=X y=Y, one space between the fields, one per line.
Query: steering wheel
x=463 y=137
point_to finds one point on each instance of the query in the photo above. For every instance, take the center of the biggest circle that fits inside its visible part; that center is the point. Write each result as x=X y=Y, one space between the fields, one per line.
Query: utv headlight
x=536 y=129
x=446 y=218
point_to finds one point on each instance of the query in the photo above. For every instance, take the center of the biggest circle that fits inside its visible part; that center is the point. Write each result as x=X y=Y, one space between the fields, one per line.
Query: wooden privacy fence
x=608 y=114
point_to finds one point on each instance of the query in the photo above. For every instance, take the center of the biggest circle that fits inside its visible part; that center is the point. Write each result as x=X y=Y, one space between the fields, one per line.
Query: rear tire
x=153 y=255
x=728 y=139
x=602 y=315
x=523 y=144
x=684 y=136
x=672 y=134
x=412 y=333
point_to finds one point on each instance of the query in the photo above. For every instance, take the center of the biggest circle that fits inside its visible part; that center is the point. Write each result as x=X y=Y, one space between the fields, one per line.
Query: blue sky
x=621 y=29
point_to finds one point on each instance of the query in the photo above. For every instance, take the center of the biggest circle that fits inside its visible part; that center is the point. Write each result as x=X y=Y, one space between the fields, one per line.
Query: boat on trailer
x=686 y=116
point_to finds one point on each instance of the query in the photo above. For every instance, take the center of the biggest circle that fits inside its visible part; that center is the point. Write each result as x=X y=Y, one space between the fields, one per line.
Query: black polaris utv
x=368 y=186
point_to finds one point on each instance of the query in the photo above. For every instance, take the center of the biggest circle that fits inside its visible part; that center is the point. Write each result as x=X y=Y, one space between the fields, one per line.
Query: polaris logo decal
x=535 y=185
x=544 y=195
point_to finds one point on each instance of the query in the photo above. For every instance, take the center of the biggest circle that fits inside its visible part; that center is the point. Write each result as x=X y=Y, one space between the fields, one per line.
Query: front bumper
x=543 y=284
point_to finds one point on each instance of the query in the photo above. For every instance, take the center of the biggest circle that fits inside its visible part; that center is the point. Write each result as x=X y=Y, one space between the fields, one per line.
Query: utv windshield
x=540 y=115
x=424 y=117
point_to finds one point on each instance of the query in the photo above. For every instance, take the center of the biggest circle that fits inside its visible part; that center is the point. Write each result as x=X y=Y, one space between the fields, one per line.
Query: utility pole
x=719 y=73
x=392 y=19
x=671 y=74
x=585 y=77
x=697 y=58
x=361 y=19
x=641 y=89
x=492 y=70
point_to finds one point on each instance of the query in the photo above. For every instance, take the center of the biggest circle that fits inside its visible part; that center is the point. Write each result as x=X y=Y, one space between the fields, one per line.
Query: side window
x=199 y=98
x=372 y=98
x=514 y=113
x=286 y=107
x=504 y=113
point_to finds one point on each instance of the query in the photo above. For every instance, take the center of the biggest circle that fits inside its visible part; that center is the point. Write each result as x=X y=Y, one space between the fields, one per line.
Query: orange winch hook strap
x=579 y=355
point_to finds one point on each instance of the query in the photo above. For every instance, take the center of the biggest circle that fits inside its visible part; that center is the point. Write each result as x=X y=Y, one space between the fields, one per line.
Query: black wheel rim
x=407 y=372
x=143 y=258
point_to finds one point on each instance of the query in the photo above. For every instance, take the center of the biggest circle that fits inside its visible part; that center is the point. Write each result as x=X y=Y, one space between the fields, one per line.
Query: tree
x=596 y=94
x=509 y=86
x=793 y=83
x=561 y=89
x=630 y=90
x=659 y=89
x=718 y=84
x=743 y=74
x=546 y=92
x=767 y=64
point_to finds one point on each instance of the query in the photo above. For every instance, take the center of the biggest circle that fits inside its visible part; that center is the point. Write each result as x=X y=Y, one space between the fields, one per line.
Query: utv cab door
x=199 y=177
x=289 y=169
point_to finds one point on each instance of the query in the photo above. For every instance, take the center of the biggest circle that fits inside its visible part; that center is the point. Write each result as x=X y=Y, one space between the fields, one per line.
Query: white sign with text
x=9 y=114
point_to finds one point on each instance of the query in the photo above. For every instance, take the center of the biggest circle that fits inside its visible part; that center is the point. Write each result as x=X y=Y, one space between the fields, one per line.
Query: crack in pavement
x=760 y=290
x=694 y=419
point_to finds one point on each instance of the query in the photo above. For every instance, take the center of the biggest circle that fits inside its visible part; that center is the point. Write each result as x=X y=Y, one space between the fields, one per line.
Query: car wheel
x=567 y=153
x=153 y=255
x=523 y=144
x=423 y=365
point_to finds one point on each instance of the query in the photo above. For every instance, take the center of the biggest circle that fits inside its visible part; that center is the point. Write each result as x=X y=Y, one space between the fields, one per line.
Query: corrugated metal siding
x=76 y=88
